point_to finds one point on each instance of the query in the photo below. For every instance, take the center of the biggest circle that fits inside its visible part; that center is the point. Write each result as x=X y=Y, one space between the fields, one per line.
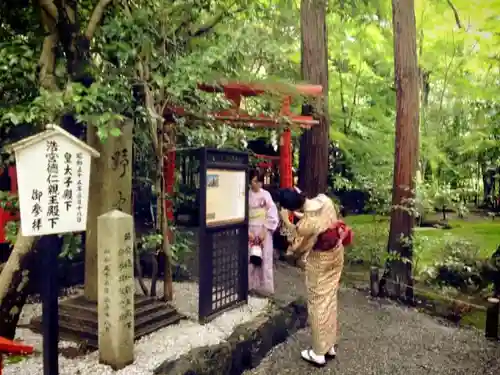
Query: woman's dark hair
x=255 y=173
x=291 y=200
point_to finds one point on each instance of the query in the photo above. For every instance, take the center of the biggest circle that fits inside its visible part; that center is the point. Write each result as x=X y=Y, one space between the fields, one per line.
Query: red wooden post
x=169 y=176
x=5 y=214
x=169 y=181
x=13 y=179
x=286 y=178
x=4 y=217
x=233 y=95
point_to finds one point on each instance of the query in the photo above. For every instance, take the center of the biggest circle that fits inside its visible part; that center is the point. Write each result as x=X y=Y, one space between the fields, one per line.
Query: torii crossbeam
x=236 y=116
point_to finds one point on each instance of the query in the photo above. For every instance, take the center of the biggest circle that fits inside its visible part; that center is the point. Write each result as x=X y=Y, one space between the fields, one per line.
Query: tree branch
x=47 y=60
x=22 y=247
x=205 y=29
x=355 y=91
x=49 y=8
x=455 y=13
x=96 y=18
x=342 y=99
x=47 y=63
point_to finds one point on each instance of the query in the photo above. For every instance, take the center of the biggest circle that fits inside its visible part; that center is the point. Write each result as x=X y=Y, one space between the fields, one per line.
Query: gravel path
x=382 y=338
x=150 y=351
x=377 y=338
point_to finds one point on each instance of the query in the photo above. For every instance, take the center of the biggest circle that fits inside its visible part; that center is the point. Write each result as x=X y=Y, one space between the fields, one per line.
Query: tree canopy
x=100 y=61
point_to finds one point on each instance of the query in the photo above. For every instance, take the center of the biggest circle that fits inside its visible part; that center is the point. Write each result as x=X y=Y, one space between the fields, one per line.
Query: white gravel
x=150 y=351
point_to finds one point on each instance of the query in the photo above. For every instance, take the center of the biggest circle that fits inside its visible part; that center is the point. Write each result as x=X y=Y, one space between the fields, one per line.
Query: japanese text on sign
x=79 y=174
x=53 y=180
x=107 y=283
x=53 y=183
x=126 y=281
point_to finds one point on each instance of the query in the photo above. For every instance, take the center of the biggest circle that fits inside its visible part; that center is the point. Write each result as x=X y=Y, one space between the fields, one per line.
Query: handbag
x=255 y=251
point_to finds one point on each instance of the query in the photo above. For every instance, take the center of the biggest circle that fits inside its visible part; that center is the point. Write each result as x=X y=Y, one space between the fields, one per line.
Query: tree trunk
x=399 y=270
x=110 y=189
x=14 y=276
x=488 y=187
x=14 y=280
x=313 y=161
x=164 y=146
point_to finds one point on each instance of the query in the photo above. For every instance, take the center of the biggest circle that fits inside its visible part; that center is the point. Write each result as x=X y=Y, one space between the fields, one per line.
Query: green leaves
x=169 y=47
x=459 y=89
x=115 y=132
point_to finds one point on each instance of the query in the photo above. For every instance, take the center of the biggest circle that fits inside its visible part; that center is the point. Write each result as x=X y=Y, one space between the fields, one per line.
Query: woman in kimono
x=318 y=239
x=296 y=214
x=263 y=221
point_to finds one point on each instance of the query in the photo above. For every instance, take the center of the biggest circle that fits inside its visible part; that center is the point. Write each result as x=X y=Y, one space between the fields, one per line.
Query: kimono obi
x=329 y=238
x=257 y=214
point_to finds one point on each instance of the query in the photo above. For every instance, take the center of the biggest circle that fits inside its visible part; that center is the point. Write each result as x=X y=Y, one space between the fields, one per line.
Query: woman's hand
x=284 y=215
x=298 y=215
x=340 y=241
x=263 y=234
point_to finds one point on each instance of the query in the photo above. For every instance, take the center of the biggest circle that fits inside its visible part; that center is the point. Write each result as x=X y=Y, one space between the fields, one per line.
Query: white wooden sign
x=53 y=173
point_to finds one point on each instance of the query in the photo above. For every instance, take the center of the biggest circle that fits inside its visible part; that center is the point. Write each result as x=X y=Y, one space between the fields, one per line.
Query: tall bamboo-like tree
x=406 y=73
x=313 y=162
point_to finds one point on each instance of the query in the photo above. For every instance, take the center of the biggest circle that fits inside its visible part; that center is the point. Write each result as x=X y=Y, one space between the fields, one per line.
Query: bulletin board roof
x=50 y=131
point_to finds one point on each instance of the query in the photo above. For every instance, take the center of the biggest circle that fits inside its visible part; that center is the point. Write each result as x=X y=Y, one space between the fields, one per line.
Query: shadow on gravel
x=247 y=346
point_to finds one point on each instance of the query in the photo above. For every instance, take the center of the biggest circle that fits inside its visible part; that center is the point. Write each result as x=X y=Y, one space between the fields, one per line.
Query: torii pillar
x=286 y=178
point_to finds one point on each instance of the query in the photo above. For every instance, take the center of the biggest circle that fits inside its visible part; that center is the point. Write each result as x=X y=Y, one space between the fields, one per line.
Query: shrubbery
x=444 y=261
x=370 y=244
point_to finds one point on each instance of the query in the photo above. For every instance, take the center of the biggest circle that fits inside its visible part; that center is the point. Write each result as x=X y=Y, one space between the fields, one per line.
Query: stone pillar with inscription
x=115 y=306
x=110 y=188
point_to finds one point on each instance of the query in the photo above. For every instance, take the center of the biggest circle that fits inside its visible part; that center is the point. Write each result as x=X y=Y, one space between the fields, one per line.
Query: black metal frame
x=210 y=266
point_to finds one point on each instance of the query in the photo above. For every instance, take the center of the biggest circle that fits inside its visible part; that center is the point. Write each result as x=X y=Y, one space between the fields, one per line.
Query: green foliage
x=179 y=249
x=149 y=56
x=182 y=246
x=150 y=243
x=370 y=241
x=431 y=197
x=72 y=246
x=11 y=229
x=459 y=265
x=455 y=258
x=8 y=201
x=459 y=119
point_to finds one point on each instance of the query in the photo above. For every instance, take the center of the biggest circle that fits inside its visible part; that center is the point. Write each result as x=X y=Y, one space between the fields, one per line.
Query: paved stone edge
x=245 y=347
x=447 y=312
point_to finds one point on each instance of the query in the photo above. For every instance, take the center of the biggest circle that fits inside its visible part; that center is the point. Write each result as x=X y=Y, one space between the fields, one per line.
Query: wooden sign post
x=53 y=171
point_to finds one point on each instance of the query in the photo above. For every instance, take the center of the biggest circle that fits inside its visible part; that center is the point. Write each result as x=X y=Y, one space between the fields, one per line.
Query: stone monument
x=115 y=306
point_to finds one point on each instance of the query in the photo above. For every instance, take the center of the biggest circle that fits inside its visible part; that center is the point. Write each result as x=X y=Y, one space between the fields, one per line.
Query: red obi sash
x=330 y=238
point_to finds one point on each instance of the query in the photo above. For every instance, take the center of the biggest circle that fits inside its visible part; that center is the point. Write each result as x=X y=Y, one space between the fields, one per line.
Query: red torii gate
x=7 y=215
x=234 y=92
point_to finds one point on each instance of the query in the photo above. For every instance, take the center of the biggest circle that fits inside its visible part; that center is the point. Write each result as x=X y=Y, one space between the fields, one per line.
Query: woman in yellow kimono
x=323 y=256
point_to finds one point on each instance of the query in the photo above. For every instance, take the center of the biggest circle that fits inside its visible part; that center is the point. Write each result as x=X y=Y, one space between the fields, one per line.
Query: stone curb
x=245 y=348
